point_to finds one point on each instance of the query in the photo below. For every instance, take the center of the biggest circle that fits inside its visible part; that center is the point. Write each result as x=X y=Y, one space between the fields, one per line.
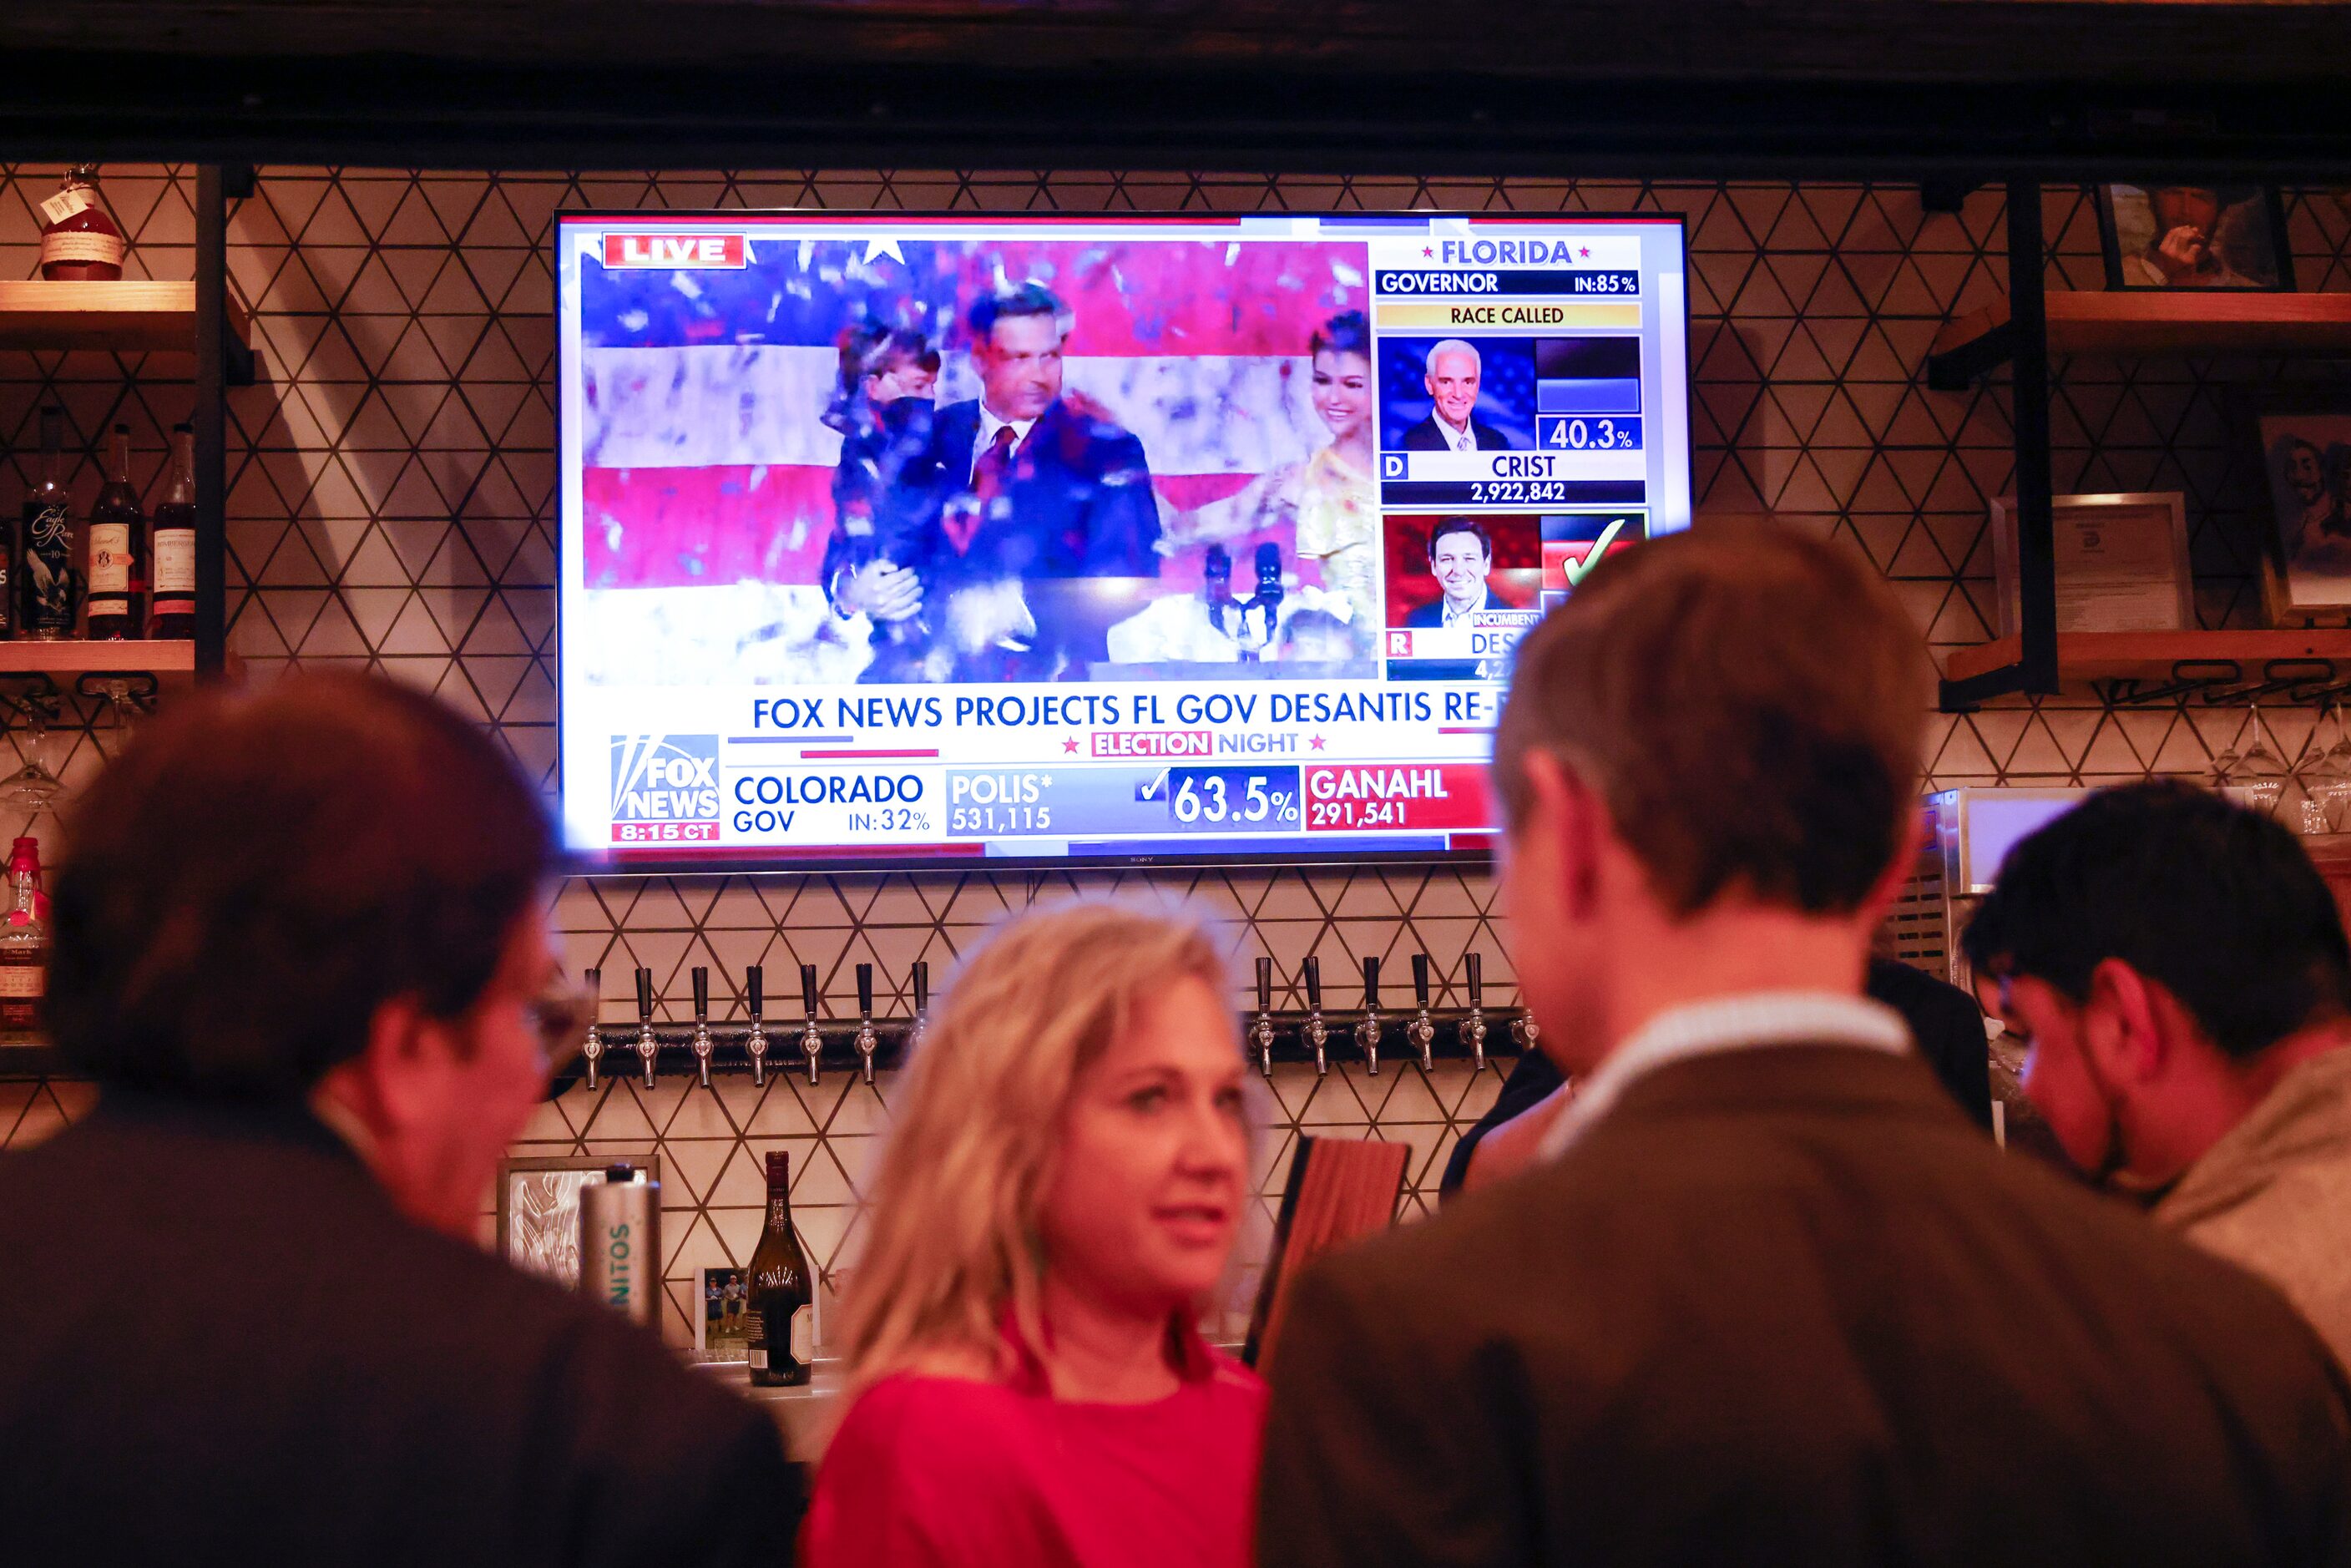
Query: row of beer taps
x=1421 y=1030
x=751 y=1040
x=1425 y=1030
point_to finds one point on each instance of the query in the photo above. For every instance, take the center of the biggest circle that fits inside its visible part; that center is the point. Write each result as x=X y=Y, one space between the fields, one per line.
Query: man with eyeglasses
x=301 y=947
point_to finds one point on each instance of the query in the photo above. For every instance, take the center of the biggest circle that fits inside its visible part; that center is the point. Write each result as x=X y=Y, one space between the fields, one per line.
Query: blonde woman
x=1057 y=1199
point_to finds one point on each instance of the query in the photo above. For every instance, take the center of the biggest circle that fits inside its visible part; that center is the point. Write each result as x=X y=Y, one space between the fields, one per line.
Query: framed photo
x=2306 y=573
x=539 y=1209
x=722 y=1329
x=2122 y=563
x=2194 y=237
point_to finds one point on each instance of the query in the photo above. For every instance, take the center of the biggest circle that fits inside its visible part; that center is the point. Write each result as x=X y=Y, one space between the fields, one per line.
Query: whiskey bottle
x=80 y=240
x=46 y=597
x=117 y=582
x=783 y=1291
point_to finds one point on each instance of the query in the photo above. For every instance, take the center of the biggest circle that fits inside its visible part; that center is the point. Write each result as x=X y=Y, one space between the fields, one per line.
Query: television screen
x=891 y=538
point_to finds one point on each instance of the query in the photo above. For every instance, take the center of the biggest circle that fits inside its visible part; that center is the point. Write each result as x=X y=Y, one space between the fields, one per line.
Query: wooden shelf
x=127 y=316
x=2150 y=322
x=173 y=663
x=2122 y=655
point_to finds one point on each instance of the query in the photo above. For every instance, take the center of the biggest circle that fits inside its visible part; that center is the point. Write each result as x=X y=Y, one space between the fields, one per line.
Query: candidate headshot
x=1461 y=558
x=1450 y=379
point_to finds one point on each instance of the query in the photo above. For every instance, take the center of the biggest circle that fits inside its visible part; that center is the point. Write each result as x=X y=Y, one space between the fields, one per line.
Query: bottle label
x=49 y=570
x=82 y=246
x=758 y=1354
x=175 y=561
x=804 y=1334
x=18 y=980
x=110 y=559
x=67 y=202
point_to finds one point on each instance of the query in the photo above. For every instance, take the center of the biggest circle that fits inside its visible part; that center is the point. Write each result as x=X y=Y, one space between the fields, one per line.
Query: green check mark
x=1577 y=571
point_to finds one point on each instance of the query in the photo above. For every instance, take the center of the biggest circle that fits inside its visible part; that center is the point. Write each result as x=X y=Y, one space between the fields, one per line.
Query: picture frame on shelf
x=2194 y=238
x=539 y=1209
x=722 y=1324
x=2121 y=559
x=2306 y=566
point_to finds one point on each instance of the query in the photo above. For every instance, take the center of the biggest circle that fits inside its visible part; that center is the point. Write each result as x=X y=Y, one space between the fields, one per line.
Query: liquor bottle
x=173 y=543
x=783 y=1291
x=79 y=241
x=24 y=940
x=117 y=583
x=46 y=600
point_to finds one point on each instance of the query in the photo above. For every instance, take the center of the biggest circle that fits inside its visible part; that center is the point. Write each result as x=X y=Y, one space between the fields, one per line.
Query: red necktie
x=987 y=476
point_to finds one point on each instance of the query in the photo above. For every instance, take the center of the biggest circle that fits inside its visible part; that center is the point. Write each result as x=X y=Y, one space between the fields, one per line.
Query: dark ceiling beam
x=1662 y=88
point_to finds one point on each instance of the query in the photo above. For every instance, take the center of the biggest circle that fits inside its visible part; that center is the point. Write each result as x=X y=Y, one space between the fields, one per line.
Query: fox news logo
x=673 y=250
x=665 y=778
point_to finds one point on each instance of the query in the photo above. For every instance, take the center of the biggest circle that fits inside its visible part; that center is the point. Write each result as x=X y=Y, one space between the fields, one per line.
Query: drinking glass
x=2327 y=783
x=2258 y=779
x=35 y=786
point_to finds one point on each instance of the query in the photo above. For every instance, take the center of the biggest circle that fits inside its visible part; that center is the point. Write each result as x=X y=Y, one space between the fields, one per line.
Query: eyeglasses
x=561 y=1014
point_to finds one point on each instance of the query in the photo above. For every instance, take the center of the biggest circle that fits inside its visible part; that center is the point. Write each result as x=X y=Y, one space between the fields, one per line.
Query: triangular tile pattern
x=392 y=483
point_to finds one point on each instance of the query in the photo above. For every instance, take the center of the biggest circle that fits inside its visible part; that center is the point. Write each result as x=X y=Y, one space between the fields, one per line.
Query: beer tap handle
x=922 y=989
x=1317 y=1033
x=1367 y=1033
x=701 y=1022
x=593 y=1051
x=1265 y=984
x=865 y=1037
x=1371 y=985
x=754 y=999
x=1474 y=968
x=811 y=1042
x=648 y=1047
x=1263 y=1031
x=1424 y=1032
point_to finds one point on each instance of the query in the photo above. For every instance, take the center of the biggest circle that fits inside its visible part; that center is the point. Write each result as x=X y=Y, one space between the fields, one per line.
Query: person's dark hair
x=1031 y=298
x=1470 y=526
x=1346 y=333
x=2218 y=906
x=1750 y=703
x=258 y=873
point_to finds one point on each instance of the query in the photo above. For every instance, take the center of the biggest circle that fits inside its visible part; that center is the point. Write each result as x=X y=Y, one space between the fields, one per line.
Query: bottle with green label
x=783 y=1291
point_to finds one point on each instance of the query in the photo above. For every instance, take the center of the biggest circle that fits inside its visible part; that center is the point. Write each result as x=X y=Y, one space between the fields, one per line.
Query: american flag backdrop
x=705 y=461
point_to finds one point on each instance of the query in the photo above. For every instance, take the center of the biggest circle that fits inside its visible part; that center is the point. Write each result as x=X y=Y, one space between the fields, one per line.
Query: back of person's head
x=953 y=1240
x=1749 y=703
x=258 y=872
x=2218 y=904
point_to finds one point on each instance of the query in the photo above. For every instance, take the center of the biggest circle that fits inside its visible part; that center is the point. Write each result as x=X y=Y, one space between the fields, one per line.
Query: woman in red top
x=1058 y=1200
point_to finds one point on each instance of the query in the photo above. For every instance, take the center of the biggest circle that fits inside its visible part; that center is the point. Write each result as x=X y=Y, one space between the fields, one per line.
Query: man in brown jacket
x=1766 y=1296
x=2177 y=971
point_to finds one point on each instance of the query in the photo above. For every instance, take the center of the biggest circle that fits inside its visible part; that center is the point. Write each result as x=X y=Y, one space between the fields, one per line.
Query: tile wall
x=390 y=506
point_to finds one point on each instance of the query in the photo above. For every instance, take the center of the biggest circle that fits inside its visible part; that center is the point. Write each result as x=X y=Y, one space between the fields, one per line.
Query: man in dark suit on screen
x=1455 y=370
x=1460 y=557
x=1765 y=1295
x=302 y=944
x=1030 y=524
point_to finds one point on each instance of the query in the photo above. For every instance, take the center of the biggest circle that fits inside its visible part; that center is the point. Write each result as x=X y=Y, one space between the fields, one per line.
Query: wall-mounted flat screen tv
x=901 y=540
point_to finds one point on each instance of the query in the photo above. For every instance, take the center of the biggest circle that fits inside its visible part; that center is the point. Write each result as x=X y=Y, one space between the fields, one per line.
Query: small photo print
x=2308 y=456
x=723 y=1329
x=2194 y=237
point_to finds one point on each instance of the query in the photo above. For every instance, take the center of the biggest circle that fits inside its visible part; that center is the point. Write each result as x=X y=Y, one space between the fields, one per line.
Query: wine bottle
x=173 y=543
x=47 y=599
x=783 y=1291
x=116 y=584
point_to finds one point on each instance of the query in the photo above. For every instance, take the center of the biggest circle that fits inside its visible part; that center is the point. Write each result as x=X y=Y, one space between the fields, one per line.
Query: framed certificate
x=2122 y=563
